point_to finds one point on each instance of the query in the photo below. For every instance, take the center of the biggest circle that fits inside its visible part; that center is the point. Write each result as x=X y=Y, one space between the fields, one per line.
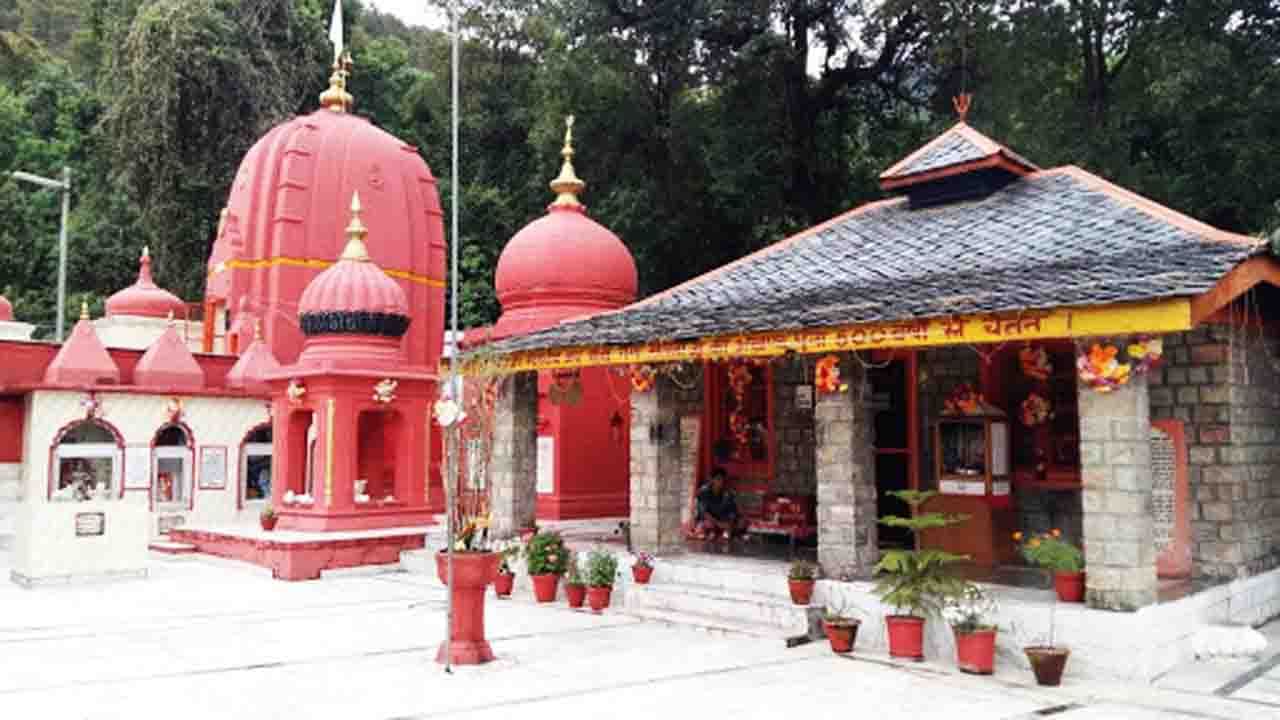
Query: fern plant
x=918 y=582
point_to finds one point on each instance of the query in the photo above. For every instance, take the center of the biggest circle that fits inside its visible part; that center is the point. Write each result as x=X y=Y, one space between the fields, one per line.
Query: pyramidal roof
x=958 y=150
x=169 y=364
x=82 y=359
x=251 y=370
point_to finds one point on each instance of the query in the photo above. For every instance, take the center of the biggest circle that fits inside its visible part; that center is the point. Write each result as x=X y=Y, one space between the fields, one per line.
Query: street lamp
x=64 y=186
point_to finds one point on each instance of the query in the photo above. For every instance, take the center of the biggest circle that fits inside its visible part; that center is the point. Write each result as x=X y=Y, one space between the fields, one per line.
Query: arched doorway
x=171 y=462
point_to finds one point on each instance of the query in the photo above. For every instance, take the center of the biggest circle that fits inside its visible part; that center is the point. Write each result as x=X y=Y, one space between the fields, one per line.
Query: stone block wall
x=512 y=467
x=793 y=428
x=657 y=480
x=847 y=538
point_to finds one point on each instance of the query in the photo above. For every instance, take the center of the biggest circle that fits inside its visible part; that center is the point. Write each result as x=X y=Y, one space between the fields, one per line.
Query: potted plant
x=841 y=630
x=505 y=580
x=602 y=568
x=915 y=582
x=475 y=565
x=969 y=614
x=800 y=581
x=268 y=518
x=1048 y=661
x=1050 y=551
x=575 y=587
x=546 y=557
x=642 y=568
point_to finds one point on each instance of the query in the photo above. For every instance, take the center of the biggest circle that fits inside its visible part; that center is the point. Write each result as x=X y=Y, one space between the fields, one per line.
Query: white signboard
x=137 y=467
x=546 y=464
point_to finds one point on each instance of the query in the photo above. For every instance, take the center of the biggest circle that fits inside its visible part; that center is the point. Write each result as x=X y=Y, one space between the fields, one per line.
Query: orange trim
x=1153 y=208
x=991 y=161
x=1241 y=279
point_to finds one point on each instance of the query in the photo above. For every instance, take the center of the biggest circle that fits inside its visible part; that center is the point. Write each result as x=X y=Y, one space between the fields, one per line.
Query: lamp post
x=63 y=186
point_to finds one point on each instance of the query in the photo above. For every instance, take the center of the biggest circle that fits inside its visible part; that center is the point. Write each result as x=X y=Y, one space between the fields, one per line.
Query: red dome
x=562 y=265
x=354 y=284
x=6 y=309
x=284 y=218
x=144 y=298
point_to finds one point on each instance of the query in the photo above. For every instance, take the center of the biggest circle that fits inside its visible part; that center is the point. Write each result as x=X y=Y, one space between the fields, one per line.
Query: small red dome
x=144 y=298
x=562 y=265
x=6 y=309
x=354 y=284
x=255 y=364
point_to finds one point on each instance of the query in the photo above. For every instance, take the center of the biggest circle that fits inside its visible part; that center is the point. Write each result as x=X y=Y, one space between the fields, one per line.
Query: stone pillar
x=656 y=475
x=846 y=479
x=512 y=465
x=1115 y=464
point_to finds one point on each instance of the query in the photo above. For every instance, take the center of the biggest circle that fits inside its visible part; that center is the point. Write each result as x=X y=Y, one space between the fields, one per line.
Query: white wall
x=138 y=333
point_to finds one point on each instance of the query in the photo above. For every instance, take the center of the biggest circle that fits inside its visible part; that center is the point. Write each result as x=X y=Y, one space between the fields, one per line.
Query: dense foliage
x=706 y=128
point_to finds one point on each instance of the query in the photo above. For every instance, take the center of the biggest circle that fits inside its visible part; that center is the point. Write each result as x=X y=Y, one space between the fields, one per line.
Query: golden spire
x=356 y=233
x=84 y=309
x=336 y=98
x=567 y=185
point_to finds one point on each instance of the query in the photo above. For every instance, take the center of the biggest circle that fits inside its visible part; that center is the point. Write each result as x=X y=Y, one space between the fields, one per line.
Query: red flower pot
x=841 y=636
x=544 y=587
x=1047 y=663
x=503 y=583
x=472 y=572
x=801 y=591
x=642 y=573
x=268 y=522
x=976 y=651
x=1070 y=585
x=906 y=636
x=598 y=597
x=577 y=594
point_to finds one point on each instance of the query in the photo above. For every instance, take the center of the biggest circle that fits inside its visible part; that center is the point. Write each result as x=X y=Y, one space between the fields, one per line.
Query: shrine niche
x=738 y=398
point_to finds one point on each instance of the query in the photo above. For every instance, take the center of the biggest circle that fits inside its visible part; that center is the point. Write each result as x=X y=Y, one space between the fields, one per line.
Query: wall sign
x=137 y=467
x=804 y=397
x=90 y=524
x=546 y=464
x=213 y=467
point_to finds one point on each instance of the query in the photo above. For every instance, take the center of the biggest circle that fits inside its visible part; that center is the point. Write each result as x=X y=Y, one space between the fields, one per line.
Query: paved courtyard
x=203 y=638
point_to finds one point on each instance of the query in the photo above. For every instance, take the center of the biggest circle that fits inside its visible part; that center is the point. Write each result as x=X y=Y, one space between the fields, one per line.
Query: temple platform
x=303 y=555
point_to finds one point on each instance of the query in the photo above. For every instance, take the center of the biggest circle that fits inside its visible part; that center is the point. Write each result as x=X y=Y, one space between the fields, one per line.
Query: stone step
x=769 y=580
x=169 y=547
x=765 y=610
x=720 y=626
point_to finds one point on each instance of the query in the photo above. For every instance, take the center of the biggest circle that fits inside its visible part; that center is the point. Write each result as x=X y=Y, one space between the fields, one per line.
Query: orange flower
x=1055 y=532
x=1034 y=542
x=827 y=374
x=1017 y=535
x=1099 y=356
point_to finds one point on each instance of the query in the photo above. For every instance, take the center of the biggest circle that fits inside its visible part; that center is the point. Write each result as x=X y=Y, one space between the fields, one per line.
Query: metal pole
x=62 y=253
x=451 y=444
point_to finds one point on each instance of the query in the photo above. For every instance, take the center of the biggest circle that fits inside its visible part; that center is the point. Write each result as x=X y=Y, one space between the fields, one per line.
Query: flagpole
x=451 y=444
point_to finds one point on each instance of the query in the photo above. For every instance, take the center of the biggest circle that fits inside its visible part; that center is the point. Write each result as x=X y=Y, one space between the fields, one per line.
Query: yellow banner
x=1151 y=317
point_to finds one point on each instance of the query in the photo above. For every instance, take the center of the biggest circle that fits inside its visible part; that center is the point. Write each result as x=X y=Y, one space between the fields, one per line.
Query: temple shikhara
x=1045 y=350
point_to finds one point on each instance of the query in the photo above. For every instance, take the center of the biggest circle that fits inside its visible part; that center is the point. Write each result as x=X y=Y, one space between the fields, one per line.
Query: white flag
x=335 y=30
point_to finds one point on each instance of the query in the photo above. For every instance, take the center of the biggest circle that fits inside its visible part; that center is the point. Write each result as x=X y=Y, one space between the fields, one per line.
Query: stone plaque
x=91 y=524
x=1163 y=470
x=546 y=464
x=213 y=467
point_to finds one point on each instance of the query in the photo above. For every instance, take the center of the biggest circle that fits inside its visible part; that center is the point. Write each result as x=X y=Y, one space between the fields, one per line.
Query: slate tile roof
x=958 y=146
x=1054 y=238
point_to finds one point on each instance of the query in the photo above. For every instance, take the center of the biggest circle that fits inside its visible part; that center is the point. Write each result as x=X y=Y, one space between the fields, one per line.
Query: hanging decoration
x=1035 y=362
x=739 y=426
x=642 y=378
x=385 y=391
x=1035 y=410
x=965 y=400
x=1106 y=367
x=826 y=375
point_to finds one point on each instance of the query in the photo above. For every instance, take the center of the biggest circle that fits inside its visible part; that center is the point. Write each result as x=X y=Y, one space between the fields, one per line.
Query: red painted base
x=583 y=507
x=301 y=560
x=371 y=519
x=472 y=573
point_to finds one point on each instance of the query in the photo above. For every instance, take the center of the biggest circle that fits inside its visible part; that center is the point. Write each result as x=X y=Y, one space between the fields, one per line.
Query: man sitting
x=717 y=510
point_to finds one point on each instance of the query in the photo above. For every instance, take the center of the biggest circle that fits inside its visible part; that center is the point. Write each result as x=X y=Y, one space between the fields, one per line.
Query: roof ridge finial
x=567 y=185
x=336 y=98
x=961 y=103
x=144 y=268
x=356 y=233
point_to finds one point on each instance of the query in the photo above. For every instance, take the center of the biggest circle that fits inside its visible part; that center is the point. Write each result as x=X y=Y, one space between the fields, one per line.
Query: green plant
x=268 y=512
x=971 y=610
x=838 y=616
x=803 y=570
x=602 y=568
x=1049 y=550
x=509 y=552
x=573 y=575
x=918 y=581
x=546 y=554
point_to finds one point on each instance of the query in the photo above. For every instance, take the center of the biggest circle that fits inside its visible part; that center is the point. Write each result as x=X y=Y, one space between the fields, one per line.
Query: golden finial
x=84 y=309
x=961 y=103
x=567 y=185
x=336 y=98
x=356 y=233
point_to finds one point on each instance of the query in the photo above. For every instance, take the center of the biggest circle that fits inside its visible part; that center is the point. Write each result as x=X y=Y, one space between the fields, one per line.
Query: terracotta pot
x=1070 y=585
x=1047 y=663
x=801 y=591
x=268 y=522
x=841 y=636
x=472 y=572
x=544 y=587
x=502 y=584
x=906 y=636
x=577 y=594
x=598 y=597
x=641 y=573
x=976 y=651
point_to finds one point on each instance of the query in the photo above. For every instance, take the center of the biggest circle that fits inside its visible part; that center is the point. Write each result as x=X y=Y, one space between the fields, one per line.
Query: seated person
x=717 y=510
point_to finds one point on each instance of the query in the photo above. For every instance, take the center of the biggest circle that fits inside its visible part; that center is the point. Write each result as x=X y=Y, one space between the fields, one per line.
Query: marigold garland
x=826 y=375
x=1035 y=410
x=1035 y=362
x=642 y=378
x=1104 y=368
x=964 y=400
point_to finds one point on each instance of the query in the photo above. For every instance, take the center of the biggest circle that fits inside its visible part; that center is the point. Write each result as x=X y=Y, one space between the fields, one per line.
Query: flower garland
x=964 y=400
x=1035 y=410
x=1035 y=363
x=642 y=378
x=1104 y=368
x=826 y=375
x=739 y=381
